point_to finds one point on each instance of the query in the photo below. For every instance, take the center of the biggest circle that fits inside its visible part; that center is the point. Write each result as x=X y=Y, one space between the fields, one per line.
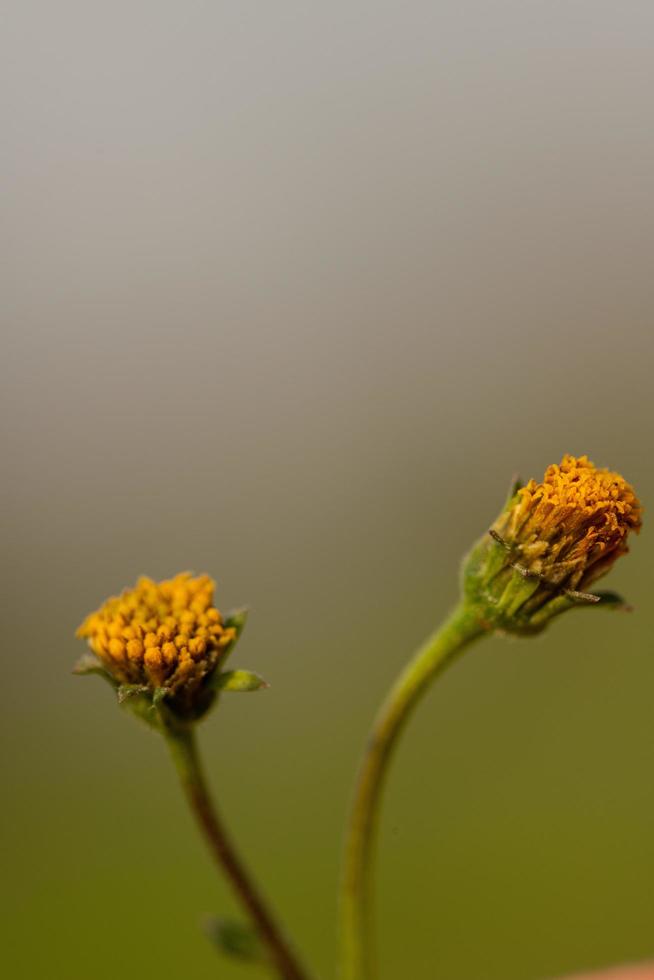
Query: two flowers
x=163 y=647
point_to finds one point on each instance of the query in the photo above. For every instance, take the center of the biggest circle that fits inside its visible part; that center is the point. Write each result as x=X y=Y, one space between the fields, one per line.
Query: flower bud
x=161 y=643
x=551 y=542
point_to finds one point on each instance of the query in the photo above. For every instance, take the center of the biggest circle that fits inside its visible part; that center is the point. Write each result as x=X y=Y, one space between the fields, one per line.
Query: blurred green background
x=290 y=292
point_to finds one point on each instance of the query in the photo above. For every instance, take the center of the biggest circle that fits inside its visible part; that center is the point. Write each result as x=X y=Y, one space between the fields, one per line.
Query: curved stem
x=433 y=656
x=184 y=750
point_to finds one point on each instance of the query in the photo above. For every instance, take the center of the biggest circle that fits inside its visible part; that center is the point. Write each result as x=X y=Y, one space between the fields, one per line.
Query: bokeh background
x=290 y=291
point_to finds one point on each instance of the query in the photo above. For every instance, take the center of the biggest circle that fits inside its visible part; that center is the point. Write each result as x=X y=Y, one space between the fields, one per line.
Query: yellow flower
x=161 y=636
x=551 y=542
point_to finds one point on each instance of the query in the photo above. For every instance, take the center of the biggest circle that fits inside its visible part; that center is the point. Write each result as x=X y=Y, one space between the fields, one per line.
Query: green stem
x=183 y=747
x=439 y=650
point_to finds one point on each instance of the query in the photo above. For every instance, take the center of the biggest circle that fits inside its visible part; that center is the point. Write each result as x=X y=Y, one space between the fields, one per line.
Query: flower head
x=165 y=638
x=551 y=542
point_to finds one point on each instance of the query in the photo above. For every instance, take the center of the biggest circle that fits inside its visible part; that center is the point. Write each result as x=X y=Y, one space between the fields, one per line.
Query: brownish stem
x=184 y=750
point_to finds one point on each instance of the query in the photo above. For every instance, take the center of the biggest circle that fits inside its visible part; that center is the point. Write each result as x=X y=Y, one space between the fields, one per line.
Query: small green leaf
x=235 y=939
x=88 y=664
x=240 y=680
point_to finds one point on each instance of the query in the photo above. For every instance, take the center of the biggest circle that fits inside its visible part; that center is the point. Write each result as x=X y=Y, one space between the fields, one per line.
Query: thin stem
x=184 y=750
x=439 y=650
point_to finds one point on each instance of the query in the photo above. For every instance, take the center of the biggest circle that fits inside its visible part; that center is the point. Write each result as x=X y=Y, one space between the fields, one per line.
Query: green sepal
x=516 y=485
x=561 y=603
x=159 y=694
x=126 y=691
x=612 y=600
x=138 y=699
x=239 y=680
x=235 y=939
x=236 y=620
x=89 y=664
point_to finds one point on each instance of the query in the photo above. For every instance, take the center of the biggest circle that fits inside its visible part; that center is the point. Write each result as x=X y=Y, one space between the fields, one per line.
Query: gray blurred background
x=290 y=290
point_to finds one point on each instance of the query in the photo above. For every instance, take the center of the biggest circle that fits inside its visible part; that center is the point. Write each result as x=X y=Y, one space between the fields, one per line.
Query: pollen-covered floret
x=571 y=527
x=160 y=634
